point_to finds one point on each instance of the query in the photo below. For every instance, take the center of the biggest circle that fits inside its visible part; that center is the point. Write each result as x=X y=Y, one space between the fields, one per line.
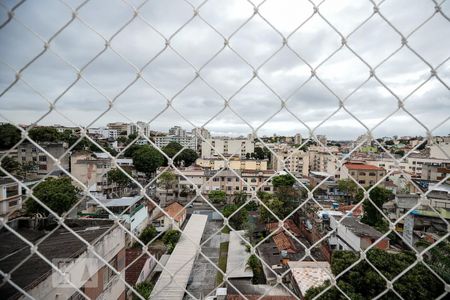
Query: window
x=372 y=174
x=43 y=167
x=12 y=203
x=362 y=173
x=11 y=191
x=42 y=158
x=229 y=179
x=362 y=181
x=108 y=273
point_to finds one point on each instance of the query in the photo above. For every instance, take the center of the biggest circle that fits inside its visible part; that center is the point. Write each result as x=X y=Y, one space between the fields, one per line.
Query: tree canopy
x=238 y=220
x=363 y=282
x=186 y=158
x=147 y=159
x=44 y=134
x=57 y=193
x=217 y=197
x=119 y=178
x=170 y=239
x=148 y=234
x=281 y=181
x=144 y=289
x=349 y=187
x=372 y=216
x=9 y=136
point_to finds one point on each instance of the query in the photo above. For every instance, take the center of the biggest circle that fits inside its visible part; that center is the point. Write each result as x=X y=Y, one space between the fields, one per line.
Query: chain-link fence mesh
x=195 y=267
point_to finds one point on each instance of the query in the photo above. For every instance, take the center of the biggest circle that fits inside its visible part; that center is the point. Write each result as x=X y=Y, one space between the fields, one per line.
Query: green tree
x=276 y=206
x=57 y=193
x=258 y=274
x=363 y=282
x=187 y=157
x=259 y=153
x=10 y=165
x=282 y=181
x=119 y=178
x=148 y=234
x=26 y=168
x=9 y=136
x=44 y=134
x=172 y=148
x=122 y=140
x=238 y=220
x=349 y=187
x=218 y=197
x=144 y=289
x=239 y=198
x=170 y=239
x=438 y=257
x=130 y=150
x=372 y=216
x=147 y=159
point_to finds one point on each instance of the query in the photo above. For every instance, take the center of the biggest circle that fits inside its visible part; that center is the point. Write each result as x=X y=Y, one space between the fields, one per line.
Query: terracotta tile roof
x=134 y=268
x=351 y=166
x=288 y=224
x=174 y=210
x=283 y=242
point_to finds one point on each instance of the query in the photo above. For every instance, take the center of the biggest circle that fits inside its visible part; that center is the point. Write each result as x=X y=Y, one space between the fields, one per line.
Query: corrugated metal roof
x=181 y=261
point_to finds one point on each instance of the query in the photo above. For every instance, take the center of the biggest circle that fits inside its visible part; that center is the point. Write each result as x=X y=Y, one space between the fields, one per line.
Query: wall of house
x=110 y=246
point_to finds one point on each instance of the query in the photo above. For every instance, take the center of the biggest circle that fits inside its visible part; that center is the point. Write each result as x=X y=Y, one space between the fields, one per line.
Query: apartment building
x=244 y=181
x=211 y=180
x=234 y=163
x=413 y=164
x=363 y=173
x=238 y=147
x=287 y=157
x=103 y=133
x=188 y=141
x=29 y=153
x=323 y=159
x=70 y=254
x=435 y=171
x=10 y=196
x=140 y=126
x=91 y=169
x=177 y=130
x=120 y=127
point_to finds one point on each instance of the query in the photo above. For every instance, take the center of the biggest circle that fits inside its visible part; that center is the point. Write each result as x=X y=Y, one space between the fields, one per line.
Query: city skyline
x=256 y=42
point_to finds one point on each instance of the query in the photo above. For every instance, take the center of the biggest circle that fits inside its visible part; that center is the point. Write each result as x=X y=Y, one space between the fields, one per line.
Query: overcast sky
x=256 y=41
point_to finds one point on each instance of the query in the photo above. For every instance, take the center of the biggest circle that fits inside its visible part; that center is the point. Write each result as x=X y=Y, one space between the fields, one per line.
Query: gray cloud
x=197 y=42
